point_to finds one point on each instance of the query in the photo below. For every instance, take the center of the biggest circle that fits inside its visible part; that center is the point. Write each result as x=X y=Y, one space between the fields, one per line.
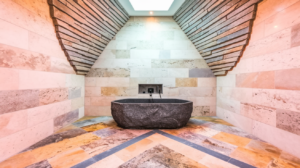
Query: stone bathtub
x=151 y=113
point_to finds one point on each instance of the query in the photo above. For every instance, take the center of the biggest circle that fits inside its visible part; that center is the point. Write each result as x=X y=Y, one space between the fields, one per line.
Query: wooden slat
x=219 y=29
x=85 y=27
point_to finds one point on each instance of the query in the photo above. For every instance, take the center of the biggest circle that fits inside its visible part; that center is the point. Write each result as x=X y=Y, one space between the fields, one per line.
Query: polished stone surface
x=152 y=113
x=205 y=142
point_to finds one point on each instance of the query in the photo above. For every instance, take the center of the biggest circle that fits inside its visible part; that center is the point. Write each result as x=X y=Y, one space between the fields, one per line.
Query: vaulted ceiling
x=220 y=29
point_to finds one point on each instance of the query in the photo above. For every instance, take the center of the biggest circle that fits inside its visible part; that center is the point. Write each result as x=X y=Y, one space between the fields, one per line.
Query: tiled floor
x=97 y=142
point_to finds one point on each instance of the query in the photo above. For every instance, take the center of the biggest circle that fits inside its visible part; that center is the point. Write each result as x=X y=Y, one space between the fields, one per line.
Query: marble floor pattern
x=97 y=142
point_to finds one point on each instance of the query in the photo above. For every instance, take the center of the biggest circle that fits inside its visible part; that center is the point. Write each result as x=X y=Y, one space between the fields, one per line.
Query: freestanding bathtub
x=151 y=113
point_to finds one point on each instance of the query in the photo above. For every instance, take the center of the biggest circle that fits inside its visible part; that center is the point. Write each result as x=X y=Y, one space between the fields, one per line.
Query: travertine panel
x=159 y=53
x=288 y=121
x=48 y=96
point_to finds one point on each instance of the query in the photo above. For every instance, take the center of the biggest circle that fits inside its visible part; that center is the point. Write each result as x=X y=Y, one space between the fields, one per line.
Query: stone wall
x=262 y=93
x=150 y=50
x=39 y=91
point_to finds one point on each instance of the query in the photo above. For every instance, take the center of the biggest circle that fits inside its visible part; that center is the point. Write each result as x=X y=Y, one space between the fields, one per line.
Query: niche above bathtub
x=147 y=88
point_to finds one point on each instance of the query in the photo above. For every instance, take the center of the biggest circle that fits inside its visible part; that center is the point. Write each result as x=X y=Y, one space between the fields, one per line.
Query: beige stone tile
x=264 y=148
x=90 y=81
x=68 y=158
x=112 y=82
x=213 y=162
x=186 y=82
x=110 y=161
x=185 y=150
x=77 y=103
x=135 y=149
x=61 y=66
x=92 y=91
x=288 y=121
x=232 y=139
x=70 y=127
x=253 y=158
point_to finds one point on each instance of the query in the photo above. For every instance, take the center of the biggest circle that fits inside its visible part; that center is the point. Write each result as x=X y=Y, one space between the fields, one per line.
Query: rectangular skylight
x=151 y=5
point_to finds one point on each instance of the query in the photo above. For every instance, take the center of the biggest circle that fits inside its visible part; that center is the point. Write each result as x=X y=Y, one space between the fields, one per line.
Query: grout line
x=109 y=152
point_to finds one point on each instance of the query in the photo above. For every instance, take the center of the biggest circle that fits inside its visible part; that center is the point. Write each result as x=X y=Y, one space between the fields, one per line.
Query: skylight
x=151 y=5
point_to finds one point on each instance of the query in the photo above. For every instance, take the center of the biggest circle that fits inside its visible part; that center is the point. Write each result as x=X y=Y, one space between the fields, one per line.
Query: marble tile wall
x=262 y=94
x=39 y=91
x=150 y=50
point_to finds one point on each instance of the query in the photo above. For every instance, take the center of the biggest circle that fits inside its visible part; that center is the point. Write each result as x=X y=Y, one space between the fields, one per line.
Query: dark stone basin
x=151 y=113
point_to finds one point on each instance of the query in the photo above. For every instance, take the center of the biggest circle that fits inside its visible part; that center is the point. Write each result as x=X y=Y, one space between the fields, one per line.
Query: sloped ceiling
x=220 y=29
x=85 y=27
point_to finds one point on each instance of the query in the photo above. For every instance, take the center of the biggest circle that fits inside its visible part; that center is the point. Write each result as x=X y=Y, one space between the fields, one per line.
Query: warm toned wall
x=39 y=92
x=262 y=93
x=150 y=50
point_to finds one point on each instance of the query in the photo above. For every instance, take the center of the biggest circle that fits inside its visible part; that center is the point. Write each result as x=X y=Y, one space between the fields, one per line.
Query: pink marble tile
x=92 y=91
x=9 y=79
x=282 y=20
x=207 y=82
x=256 y=80
x=12 y=122
x=13 y=35
x=38 y=80
x=237 y=120
x=277 y=137
x=102 y=101
x=268 y=8
x=229 y=104
x=43 y=113
x=273 y=43
x=12 y=57
x=46 y=46
x=12 y=144
x=22 y=17
x=97 y=110
x=287 y=79
x=40 y=8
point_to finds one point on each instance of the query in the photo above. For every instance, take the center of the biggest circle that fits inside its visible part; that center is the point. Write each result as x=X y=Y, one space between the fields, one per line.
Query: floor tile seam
x=211 y=152
x=112 y=151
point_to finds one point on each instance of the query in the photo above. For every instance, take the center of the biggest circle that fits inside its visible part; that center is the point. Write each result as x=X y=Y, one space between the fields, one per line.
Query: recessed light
x=151 y=5
x=151 y=13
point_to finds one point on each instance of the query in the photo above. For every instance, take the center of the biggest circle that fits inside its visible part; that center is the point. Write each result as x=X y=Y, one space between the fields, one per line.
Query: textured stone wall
x=262 y=93
x=220 y=29
x=39 y=91
x=84 y=28
x=150 y=50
